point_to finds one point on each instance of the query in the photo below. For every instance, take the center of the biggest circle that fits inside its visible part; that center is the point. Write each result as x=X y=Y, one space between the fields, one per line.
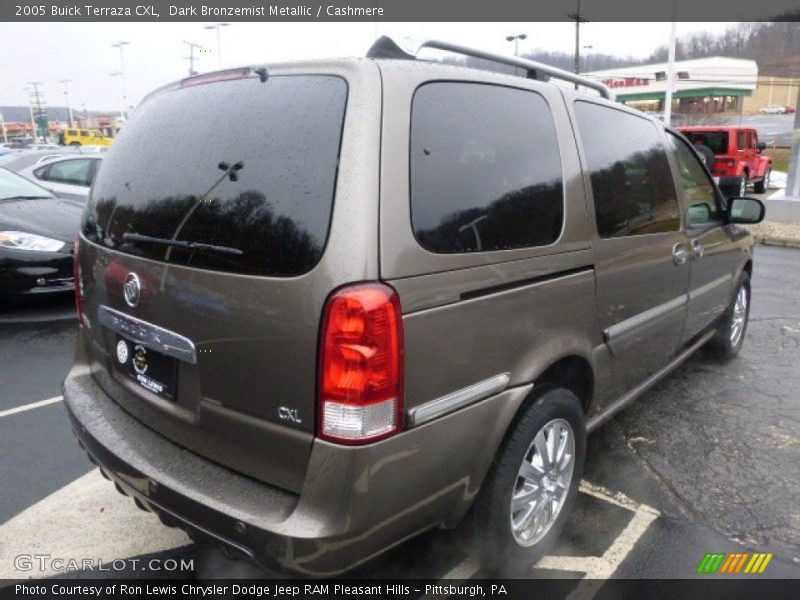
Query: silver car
x=67 y=176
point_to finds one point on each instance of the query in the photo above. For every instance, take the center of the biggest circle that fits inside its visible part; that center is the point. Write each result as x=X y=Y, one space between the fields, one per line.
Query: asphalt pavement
x=707 y=461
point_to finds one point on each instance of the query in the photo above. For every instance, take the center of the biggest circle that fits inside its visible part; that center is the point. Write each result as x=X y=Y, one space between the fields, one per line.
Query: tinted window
x=245 y=166
x=717 y=141
x=485 y=169
x=699 y=197
x=740 y=143
x=75 y=172
x=634 y=192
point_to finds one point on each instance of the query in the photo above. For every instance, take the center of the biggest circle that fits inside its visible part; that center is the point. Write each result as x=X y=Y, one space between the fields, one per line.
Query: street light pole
x=115 y=75
x=516 y=39
x=586 y=61
x=190 y=58
x=66 y=83
x=121 y=45
x=217 y=26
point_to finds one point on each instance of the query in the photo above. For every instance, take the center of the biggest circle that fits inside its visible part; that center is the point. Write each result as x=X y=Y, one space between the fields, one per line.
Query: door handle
x=679 y=254
x=697 y=249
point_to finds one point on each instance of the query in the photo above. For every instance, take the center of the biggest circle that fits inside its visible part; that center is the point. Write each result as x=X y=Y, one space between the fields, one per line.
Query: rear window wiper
x=137 y=237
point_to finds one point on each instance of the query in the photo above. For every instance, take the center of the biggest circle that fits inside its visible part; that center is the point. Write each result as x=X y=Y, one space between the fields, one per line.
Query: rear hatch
x=200 y=255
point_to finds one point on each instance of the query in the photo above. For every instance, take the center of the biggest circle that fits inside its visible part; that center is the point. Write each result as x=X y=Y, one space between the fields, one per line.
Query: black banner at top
x=398 y=10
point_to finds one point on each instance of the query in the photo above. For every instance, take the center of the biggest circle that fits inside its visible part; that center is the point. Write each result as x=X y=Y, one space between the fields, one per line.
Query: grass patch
x=780 y=158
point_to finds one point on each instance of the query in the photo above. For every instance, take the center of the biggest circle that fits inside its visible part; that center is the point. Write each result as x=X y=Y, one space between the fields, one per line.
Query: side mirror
x=745 y=210
x=761 y=146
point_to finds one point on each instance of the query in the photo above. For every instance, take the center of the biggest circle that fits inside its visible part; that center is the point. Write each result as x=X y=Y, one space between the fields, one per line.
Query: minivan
x=328 y=305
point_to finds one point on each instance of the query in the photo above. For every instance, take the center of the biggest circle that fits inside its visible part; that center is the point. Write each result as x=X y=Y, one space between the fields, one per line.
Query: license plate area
x=147 y=368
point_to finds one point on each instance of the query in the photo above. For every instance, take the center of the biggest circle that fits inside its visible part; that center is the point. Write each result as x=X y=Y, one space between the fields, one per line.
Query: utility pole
x=121 y=45
x=190 y=58
x=576 y=16
x=39 y=116
x=217 y=26
x=66 y=83
x=3 y=127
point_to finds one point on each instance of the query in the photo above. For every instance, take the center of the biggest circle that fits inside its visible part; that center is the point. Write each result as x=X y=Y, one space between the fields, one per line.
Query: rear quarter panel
x=469 y=317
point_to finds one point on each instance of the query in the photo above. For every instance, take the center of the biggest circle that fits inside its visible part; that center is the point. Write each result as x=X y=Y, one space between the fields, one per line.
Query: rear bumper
x=356 y=502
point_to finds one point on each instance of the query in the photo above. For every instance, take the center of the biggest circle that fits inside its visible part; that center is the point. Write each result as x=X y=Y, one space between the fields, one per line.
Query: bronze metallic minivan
x=328 y=305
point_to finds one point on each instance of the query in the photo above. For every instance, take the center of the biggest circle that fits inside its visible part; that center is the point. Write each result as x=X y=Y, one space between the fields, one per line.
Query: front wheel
x=729 y=336
x=532 y=486
x=74 y=143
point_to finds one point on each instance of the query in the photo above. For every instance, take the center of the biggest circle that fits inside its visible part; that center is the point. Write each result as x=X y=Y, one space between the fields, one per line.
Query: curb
x=776 y=241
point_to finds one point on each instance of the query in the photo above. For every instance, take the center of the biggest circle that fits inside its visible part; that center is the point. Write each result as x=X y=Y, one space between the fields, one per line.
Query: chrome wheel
x=543 y=482
x=739 y=316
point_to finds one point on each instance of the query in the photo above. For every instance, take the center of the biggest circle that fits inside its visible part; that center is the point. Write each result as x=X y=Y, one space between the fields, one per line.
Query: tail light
x=361 y=365
x=731 y=163
x=76 y=272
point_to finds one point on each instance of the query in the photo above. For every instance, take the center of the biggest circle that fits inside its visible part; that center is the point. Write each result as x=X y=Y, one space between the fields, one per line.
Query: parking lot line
x=605 y=566
x=31 y=406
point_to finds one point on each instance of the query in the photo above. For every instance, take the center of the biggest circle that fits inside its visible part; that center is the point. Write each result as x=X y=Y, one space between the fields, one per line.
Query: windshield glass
x=239 y=164
x=14 y=186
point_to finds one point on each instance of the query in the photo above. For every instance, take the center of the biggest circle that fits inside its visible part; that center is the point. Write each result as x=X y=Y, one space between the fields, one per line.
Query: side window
x=634 y=192
x=485 y=169
x=74 y=172
x=72 y=132
x=84 y=133
x=699 y=197
x=740 y=142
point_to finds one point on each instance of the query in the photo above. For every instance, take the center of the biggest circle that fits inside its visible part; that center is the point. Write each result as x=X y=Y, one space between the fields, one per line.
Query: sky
x=82 y=52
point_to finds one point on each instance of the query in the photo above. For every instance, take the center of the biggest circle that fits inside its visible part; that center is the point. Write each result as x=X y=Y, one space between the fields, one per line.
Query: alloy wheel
x=543 y=482
x=739 y=316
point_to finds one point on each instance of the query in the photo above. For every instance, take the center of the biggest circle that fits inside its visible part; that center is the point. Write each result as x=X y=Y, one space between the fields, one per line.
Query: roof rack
x=385 y=47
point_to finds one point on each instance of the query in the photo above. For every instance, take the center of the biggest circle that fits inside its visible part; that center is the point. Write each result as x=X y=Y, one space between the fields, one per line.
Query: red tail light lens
x=76 y=272
x=361 y=365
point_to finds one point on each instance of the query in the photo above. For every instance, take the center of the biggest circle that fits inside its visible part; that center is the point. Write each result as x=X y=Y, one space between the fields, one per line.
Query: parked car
x=738 y=158
x=790 y=109
x=37 y=231
x=84 y=137
x=24 y=158
x=773 y=109
x=387 y=292
x=69 y=175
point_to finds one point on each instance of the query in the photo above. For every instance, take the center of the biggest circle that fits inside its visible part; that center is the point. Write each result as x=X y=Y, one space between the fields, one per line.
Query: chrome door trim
x=623 y=327
x=148 y=335
x=704 y=289
x=458 y=399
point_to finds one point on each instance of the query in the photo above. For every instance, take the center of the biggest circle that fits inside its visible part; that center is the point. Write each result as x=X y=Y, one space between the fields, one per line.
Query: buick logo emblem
x=132 y=289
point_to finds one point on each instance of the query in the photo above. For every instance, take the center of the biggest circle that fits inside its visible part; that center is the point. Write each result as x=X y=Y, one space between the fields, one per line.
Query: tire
x=74 y=143
x=556 y=411
x=742 y=191
x=761 y=186
x=728 y=338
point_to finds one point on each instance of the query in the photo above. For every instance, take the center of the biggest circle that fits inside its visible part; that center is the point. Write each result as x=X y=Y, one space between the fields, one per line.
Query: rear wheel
x=729 y=336
x=529 y=493
x=74 y=143
x=743 y=184
x=759 y=187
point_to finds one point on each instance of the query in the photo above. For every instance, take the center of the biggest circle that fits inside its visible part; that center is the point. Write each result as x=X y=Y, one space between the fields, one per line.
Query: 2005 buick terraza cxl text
x=387 y=292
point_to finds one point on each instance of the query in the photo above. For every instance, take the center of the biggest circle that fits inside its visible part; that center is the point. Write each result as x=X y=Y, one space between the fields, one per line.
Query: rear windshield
x=717 y=141
x=234 y=176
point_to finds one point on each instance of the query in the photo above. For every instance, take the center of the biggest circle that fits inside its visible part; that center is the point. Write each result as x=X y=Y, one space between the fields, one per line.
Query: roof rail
x=385 y=47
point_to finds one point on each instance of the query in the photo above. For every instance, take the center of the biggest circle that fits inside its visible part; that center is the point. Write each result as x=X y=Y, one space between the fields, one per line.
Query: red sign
x=626 y=82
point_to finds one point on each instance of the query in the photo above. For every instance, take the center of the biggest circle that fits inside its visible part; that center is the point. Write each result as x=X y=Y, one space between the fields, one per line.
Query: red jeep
x=738 y=161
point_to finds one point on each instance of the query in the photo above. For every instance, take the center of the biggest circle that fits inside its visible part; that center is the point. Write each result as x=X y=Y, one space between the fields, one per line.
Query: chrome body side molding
x=636 y=321
x=148 y=335
x=458 y=399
